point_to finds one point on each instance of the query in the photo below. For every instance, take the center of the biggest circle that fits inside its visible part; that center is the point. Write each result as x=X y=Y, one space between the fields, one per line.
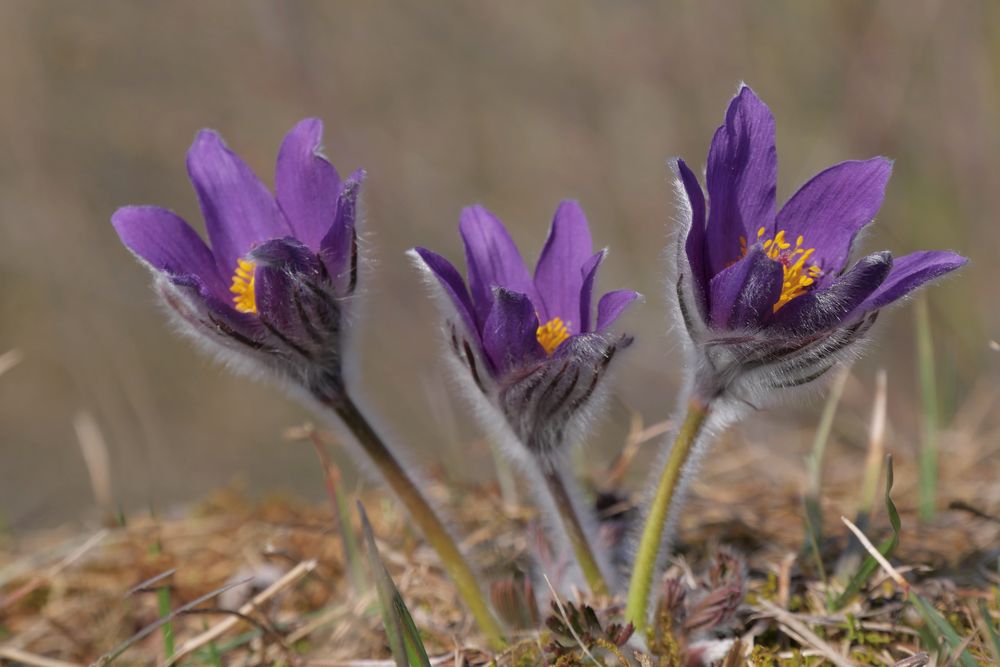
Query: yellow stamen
x=798 y=275
x=244 y=296
x=552 y=334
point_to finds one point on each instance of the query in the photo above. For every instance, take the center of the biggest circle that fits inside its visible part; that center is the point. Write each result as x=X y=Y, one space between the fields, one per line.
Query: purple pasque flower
x=769 y=296
x=273 y=285
x=531 y=344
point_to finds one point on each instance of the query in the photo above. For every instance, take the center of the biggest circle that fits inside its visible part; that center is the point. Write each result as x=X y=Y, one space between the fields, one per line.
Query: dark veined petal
x=743 y=295
x=451 y=282
x=833 y=207
x=509 y=336
x=339 y=248
x=202 y=313
x=611 y=306
x=589 y=273
x=694 y=244
x=239 y=212
x=828 y=307
x=288 y=285
x=492 y=260
x=558 y=274
x=909 y=273
x=306 y=184
x=742 y=175
x=168 y=244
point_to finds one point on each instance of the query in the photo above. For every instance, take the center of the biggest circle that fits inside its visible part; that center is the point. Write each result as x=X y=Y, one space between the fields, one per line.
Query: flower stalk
x=423 y=515
x=659 y=512
x=575 y=532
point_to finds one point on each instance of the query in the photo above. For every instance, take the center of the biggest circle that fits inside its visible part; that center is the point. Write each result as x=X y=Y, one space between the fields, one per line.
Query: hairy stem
x=423 y=515
x=659 y=512
x=577 y=536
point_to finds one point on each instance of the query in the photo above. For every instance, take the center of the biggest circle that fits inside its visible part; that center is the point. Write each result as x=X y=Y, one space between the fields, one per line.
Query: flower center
x=799 y=275
x=244 y=296
x=552 y=334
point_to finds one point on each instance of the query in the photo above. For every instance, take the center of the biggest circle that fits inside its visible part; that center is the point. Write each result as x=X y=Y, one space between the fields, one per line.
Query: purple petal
x=558 y=274
x=492 y=260
x=832 y=207
x=611 y=306
x=510 y=335
x=589 y=273
x=826 y=308
x=339 y=246
x=694 y=245
x=306 y=184
x=742 y=175
x=451 y=282
x=284 y=266
x=743 y=295
x=168 y=244
x=910 y=272
x=239 y=212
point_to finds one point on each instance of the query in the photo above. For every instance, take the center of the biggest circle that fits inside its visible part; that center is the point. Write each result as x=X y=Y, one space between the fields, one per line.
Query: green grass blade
x=814 y=462
x=992 y=632
x=929 y=410
x=941 y=627
x=869 y=565
x=404 y=638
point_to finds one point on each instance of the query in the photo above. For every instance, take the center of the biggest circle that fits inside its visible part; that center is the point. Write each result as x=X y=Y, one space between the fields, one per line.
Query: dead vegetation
x=237 y=581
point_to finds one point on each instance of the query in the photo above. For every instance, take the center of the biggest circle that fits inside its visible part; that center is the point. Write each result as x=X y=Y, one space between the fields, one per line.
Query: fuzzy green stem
x=577 y=536
x=659 y=513
x=424 y=516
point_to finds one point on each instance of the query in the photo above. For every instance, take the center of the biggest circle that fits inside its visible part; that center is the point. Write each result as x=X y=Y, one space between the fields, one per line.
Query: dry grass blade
x=32 y=660
x=9 y=359
x=94 y=449
x=788 y=619
x=224 y=626
x=37 y=581
x=877 y=555
x=918 y=660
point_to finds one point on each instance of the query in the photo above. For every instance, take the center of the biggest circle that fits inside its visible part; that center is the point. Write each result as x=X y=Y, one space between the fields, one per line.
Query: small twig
x=262 y=623
x=222 y=627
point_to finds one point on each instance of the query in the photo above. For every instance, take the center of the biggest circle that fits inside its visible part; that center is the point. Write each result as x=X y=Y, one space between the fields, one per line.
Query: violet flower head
x=273 y=286
x=769 y=297
x=531 y=344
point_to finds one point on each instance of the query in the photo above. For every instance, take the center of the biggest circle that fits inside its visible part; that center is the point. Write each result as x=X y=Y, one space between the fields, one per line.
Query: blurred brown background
x=515 y=105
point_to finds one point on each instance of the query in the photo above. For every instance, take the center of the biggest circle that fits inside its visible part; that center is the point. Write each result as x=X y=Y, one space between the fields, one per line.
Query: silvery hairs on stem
x=528 y=350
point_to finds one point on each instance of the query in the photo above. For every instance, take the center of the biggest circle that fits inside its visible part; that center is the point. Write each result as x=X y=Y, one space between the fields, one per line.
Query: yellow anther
x=798 y=276
x=552 y=334
x=244 y=296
